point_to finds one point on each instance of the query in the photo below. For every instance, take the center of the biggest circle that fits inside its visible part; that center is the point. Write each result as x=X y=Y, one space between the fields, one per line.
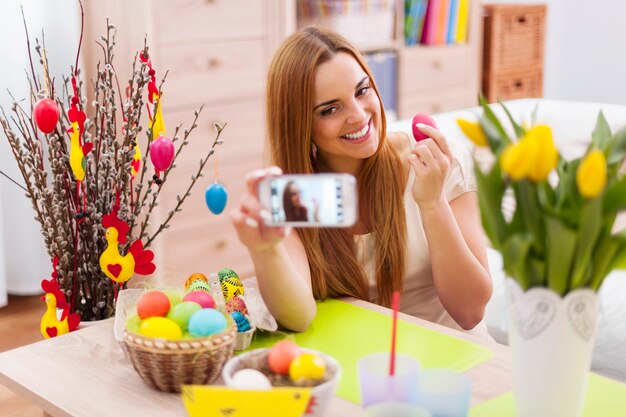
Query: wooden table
x=85 y=373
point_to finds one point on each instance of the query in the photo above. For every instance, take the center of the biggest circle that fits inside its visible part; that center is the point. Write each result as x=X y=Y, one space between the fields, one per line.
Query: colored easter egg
x=160 y=327
x=281 y=355
x=201 y=297
x=162 y=153
x=422 y=118
x=216 y=198
x=199 y=285
x=231 y=284
x=133 y=324
x=46 y=115
x=236 y=304
x=194 y=277
x=175 y=297
x=243 y=324
x=250 y=379
x=152 y=304
x=206 y=322
x=307 y=366
x=181 y=313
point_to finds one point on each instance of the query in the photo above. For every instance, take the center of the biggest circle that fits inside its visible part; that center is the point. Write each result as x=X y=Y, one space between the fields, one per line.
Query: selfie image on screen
x=315 y=200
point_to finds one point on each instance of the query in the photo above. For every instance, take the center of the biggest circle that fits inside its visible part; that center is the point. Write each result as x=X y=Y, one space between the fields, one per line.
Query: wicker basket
x=166 y=365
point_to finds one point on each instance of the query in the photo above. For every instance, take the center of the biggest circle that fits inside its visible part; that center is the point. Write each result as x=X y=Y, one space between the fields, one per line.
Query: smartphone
x=314 y=200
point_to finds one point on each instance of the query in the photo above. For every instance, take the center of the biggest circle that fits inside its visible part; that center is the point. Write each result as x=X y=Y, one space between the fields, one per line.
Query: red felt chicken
x=51 y=325
x=120 y=268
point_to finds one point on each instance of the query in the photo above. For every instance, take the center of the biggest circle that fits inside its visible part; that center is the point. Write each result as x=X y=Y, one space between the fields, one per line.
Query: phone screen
x=311 y=200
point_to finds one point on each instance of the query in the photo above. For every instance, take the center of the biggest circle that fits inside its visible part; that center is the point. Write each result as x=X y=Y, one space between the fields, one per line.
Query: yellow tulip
x=591 y=176
x=545 y=155
x=514 y=161
x=473 y=131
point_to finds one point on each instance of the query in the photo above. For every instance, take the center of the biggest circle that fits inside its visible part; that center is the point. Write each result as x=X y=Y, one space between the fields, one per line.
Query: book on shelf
x=436 y=22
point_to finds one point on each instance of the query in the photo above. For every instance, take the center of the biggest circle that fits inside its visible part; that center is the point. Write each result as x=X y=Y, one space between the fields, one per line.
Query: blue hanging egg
x=216 y=197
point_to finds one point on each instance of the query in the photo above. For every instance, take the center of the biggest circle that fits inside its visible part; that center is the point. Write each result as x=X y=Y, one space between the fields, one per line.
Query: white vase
x=551 y=339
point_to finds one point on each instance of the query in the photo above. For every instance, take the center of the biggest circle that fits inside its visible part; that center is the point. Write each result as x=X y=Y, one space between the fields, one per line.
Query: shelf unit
x=433 y=78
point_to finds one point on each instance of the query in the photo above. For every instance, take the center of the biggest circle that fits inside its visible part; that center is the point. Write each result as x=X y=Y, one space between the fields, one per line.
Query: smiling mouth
x=360 y=134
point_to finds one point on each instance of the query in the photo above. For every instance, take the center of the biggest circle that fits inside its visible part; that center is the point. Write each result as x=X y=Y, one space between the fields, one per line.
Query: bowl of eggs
x=176 y=339
x=286 y=364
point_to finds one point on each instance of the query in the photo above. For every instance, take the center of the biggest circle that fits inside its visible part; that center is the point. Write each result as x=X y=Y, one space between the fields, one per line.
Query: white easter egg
x=250 y=379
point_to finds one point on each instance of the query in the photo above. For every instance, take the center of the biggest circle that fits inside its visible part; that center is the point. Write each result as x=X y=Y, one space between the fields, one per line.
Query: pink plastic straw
x=395 y=305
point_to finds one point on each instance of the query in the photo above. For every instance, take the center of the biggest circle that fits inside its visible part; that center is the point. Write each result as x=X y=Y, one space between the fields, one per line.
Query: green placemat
x=348 y=332
x=605 y=398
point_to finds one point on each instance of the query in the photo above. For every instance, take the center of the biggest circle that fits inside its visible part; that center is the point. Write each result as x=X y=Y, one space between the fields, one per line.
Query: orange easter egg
x=153 y=304
x=281 y=355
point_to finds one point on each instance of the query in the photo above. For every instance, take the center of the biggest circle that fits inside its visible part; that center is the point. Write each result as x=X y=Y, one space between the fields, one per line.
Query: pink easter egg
x=201 y=297
x=422 y=118
x=162 y=153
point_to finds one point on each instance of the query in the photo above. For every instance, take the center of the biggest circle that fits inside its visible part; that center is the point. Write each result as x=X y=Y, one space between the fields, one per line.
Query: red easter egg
x=281 y=355
x=422 y=118
x=201 y=297
x=162 y=153
x=46 y=115
x=153 y=304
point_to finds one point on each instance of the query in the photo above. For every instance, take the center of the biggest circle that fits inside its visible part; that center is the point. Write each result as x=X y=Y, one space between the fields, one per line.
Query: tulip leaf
x=619 y=261
x=493 y=128
x=601 y=135
x=618 y=147
x=532 y=218
x=615 y=196
x=589 y=230
x=490 y=192
x=519 y=130
x=603 y=258
x=559 y=261
x=515 y=255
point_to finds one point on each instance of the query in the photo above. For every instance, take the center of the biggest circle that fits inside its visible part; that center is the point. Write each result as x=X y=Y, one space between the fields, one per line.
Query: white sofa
x=572 y=124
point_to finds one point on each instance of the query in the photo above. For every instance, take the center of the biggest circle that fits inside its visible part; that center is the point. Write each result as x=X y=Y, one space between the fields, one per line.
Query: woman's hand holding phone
x=248 y=218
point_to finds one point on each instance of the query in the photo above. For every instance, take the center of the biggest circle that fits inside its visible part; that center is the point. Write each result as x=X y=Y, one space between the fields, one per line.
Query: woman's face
x=346 y=114
x=294 y=193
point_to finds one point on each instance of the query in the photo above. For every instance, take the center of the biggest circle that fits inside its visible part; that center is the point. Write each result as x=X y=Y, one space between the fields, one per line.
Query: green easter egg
x=175 y=296
x=181 y=312
x=226 y=273
x=133 y=323
x=199 y=285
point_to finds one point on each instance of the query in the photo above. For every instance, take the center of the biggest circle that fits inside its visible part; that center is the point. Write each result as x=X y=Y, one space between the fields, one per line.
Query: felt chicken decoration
x=120 y=268
x=51 y=325
x=78 y=150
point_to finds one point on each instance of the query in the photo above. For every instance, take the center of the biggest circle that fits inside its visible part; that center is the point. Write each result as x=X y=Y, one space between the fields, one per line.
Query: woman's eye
x=362 y=91
x=328 y=111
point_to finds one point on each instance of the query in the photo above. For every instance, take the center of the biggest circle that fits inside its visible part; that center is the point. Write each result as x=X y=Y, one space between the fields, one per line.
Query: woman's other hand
x=248 y=218
x=431 y=160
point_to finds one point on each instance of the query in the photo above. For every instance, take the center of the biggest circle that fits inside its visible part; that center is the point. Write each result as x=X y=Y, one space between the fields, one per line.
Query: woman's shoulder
x=400 y=142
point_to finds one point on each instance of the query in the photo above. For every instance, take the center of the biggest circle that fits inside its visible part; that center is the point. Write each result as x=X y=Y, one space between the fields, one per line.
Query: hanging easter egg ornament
x=215 y=195
x=162 y=153
x=216 y=198
x=46 y=114
x=425 y=119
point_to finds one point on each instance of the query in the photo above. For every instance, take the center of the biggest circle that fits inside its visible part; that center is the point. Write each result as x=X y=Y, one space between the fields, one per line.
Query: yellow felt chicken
x=51 y=325
x=120 y=268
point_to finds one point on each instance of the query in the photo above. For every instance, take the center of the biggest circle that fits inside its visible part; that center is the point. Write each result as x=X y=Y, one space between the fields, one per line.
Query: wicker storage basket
x=514 y=37
x=166 y=365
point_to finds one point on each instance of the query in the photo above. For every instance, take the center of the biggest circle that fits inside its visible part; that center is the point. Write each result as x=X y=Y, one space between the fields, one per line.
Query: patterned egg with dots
x=231 y=284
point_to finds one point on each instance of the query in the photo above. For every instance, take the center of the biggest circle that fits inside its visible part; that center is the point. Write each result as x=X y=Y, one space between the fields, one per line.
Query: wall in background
x=585 y=45
x=23 y=260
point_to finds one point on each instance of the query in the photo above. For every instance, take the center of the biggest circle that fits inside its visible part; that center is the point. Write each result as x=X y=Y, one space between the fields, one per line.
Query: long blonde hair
x=335 y=270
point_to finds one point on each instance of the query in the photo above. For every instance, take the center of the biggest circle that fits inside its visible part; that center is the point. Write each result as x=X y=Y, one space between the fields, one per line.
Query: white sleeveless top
x=419 y=295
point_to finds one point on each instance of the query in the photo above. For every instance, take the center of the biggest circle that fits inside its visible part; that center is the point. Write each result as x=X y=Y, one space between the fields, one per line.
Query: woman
x=418 y=229
x=292 y=204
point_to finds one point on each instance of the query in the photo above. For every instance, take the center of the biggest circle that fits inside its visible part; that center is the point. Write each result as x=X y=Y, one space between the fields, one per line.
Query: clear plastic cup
x=393 y=409
x=445 y=393
x=378 y=386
